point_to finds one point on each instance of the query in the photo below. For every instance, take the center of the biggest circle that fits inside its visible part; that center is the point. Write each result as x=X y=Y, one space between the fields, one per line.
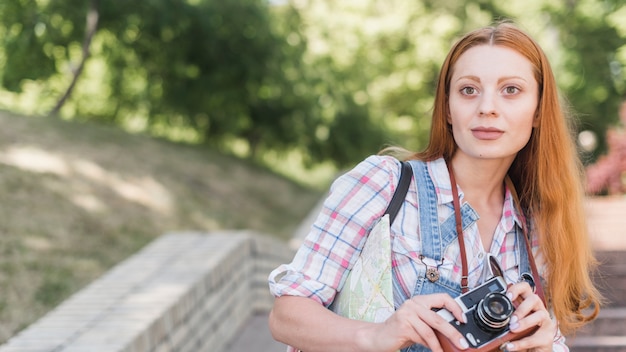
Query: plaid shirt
x=356 y=201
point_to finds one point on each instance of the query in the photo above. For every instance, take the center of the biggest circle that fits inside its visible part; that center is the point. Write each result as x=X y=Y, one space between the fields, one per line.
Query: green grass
x=77 y=198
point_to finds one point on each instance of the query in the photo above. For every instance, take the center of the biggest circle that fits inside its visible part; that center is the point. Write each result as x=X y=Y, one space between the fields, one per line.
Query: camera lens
x=493 y=312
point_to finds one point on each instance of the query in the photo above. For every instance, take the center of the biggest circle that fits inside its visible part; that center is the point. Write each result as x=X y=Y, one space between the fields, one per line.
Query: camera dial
x=494 y=312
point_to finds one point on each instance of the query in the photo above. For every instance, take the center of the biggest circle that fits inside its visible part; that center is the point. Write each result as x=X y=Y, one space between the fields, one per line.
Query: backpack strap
x=406 y=174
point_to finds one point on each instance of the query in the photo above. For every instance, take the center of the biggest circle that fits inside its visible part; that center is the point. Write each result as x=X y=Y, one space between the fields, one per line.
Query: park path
x=607 y=225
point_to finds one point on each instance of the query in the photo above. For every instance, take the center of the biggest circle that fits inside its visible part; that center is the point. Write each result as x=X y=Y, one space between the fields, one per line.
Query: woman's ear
x=536 y=119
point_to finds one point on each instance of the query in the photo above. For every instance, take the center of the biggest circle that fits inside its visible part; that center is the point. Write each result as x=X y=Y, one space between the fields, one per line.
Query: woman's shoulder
x=377 y=171
x=378 y=166
x=383 y=163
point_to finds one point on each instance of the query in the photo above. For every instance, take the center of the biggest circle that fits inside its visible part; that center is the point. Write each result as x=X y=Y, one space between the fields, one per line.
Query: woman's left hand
x=530 y=312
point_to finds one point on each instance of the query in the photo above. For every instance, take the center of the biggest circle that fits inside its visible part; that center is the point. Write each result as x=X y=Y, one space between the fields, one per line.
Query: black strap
x=406 y=173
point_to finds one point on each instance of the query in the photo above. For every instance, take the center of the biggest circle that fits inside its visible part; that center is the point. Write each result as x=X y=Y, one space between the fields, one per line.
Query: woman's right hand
x=416 y=321
x=307 y=325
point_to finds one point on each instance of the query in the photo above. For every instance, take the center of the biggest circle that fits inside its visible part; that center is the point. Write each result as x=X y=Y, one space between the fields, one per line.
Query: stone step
x=615 y=261
x=599 y=344
x=610 y=277
x=605 y=334
x=608 y=332
x=610 y=322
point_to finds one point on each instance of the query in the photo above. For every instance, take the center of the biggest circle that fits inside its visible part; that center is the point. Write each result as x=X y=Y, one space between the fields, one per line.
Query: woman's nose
x=489 y=113
x=487 y=107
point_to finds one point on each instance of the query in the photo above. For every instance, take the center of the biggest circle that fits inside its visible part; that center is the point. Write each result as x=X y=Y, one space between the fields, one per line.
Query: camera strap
x=459 y=231
x=531 y=258
x=459 y=228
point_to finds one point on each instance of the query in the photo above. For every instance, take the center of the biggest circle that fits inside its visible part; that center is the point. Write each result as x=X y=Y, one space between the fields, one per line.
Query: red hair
x=547 y=175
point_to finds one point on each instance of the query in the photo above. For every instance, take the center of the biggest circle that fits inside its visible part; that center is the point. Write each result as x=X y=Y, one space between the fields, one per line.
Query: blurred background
x=122 y=120
x=312 y=82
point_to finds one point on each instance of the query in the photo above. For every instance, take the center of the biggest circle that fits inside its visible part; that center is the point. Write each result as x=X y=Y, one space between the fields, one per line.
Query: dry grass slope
x=76 y=198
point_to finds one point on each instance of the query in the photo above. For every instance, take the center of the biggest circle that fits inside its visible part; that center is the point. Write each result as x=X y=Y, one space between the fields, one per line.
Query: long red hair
x=547 y=174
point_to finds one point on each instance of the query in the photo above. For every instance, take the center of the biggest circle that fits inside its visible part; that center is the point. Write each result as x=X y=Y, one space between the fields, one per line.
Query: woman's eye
x=468 y=91
x=511 y=90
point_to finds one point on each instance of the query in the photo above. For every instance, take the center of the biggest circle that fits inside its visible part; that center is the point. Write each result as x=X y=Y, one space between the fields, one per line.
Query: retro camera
x=488 y=311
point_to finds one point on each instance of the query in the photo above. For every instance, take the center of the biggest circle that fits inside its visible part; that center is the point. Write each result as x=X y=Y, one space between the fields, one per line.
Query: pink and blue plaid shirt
x=356 y=201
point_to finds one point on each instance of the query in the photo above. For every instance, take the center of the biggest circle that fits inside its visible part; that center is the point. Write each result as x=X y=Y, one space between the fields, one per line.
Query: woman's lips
x=487 y=133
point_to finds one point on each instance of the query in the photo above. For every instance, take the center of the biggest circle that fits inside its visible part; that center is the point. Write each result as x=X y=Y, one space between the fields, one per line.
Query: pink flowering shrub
x=608 y=174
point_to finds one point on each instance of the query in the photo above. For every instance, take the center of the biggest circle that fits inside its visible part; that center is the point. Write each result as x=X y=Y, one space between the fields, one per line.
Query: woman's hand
x=416 y=322
x=531 y=312
x=307 y=325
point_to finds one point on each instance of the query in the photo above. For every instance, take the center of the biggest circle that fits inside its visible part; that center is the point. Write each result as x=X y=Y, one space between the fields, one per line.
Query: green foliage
x=225 y=70
x=197 y=65
x=330 y=80
x=596 y=73
x=31 y=40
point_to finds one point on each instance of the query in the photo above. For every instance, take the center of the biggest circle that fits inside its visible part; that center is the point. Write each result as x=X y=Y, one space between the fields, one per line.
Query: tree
x=592 y=36
x=33 y=39
x=224 y=70
x=90 y=30
x=332 y=80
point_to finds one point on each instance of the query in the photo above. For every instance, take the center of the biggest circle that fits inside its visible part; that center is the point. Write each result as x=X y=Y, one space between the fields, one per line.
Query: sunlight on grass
x=79 y=197
x=142 y=190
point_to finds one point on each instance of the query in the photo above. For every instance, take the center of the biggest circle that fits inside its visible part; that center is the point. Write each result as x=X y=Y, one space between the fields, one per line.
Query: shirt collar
x=511 y=214
x=441 y=180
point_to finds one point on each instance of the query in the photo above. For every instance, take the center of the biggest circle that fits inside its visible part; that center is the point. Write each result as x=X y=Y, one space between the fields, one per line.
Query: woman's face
x=493 y=99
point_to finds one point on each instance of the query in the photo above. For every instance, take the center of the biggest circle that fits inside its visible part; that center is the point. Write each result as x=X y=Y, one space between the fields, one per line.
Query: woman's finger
x=520 y=290
x=441 y=322
x=524 y=299
x=541 y=340
x=442 y=301
x=530 y=312
x=428 y=323
x=539 y=318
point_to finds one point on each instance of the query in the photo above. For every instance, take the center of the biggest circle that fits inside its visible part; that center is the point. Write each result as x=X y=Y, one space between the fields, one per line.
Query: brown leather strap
x=459 y=231
x=459 y=228
x=531 y=257
x=533 y=268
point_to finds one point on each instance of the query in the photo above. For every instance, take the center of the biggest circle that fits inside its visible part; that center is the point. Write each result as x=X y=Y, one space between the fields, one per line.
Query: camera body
x=488 y=311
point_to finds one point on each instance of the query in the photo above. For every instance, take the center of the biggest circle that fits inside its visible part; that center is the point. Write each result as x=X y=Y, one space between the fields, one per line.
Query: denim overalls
x=436 y=238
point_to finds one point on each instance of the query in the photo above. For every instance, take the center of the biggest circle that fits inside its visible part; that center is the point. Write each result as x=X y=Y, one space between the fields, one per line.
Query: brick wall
x=182 y=292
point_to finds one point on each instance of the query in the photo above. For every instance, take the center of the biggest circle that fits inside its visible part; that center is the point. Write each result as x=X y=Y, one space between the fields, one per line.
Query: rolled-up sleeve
x=355 y=202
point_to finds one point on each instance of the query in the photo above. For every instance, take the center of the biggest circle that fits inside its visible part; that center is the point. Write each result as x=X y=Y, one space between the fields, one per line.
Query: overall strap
x=432 y=241
x=435 y=236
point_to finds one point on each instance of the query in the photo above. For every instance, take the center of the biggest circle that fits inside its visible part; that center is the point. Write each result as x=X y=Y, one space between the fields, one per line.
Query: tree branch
x=90 y=29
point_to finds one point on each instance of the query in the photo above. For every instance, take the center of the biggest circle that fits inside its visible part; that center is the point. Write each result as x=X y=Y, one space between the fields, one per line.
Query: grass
x=77 y=198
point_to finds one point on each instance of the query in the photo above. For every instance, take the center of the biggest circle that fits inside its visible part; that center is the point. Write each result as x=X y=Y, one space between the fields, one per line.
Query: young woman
x=496 y=117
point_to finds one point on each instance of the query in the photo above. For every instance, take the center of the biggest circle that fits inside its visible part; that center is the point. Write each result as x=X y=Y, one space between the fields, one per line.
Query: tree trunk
x=90 y=29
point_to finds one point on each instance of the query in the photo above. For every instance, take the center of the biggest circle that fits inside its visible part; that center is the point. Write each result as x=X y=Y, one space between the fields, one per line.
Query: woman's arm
x=307 y=325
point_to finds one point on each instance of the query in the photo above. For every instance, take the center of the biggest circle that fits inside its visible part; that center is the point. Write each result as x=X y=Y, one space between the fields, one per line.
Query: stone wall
x=182 y=292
